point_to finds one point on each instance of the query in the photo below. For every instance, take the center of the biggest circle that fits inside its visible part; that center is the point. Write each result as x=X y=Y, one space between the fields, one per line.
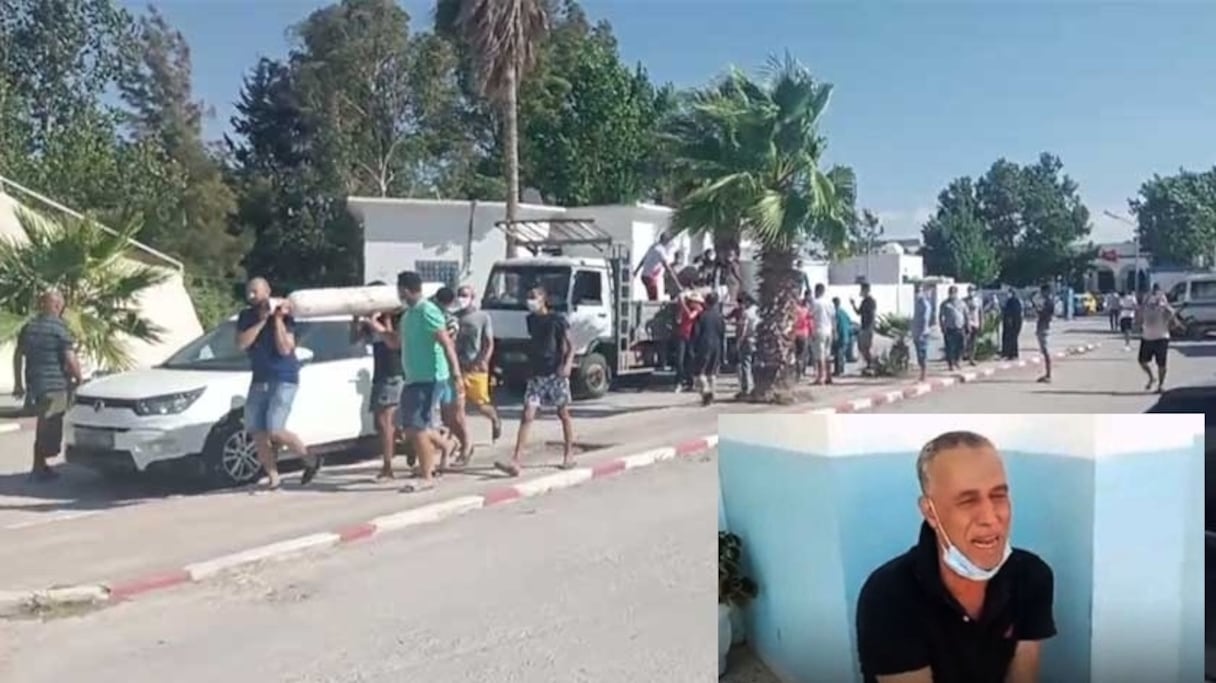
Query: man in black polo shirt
x=961 y=606
x=50 y=372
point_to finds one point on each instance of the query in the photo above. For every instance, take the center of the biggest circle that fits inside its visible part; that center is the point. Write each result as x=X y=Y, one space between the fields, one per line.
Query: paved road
x=1107 y=380
x=611 y=582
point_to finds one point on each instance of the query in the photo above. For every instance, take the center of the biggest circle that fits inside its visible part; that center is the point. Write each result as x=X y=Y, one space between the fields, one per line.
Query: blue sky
x=925 y=91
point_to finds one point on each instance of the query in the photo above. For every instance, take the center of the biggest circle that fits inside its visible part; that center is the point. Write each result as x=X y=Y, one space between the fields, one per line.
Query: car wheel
x=230 y=456
x=593 y=378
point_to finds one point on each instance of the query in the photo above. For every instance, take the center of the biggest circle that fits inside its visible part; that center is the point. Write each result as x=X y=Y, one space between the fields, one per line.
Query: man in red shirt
x=802 y=334
x=690 y=307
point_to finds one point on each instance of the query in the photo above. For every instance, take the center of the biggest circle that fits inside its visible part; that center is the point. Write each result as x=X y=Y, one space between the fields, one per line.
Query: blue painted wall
x=814 y=527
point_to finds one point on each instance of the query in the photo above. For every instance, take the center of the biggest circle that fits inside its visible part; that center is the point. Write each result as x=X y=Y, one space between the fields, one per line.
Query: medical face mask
x=533 y=305
x=958 y=562
x=463 y=303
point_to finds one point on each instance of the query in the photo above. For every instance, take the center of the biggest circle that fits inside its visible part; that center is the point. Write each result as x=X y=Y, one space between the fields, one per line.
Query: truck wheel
x=593 y=377
x=229 y=458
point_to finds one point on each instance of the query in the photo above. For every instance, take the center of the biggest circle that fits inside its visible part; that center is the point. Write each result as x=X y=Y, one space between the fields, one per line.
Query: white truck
x=588 y=276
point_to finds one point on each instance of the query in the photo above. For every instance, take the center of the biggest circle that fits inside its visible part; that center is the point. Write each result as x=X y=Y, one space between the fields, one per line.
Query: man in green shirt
x=428 y=361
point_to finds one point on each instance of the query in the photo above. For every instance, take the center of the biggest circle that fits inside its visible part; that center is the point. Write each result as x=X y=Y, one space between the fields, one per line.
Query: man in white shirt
x=1127 y=315
x=821 y=336
x=1155 y=317
x=656 y=264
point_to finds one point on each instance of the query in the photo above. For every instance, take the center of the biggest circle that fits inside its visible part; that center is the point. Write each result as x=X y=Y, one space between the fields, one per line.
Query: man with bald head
x=45 y=371
x=267 y=333
x=963 y=605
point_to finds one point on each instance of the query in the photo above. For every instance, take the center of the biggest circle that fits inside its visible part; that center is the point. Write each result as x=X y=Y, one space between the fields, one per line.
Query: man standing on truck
x=655 y=266
x=268 y=335
x=50 y=372
x=551 y=357
x=381 y=331
x=431 y=369
x=475 y=346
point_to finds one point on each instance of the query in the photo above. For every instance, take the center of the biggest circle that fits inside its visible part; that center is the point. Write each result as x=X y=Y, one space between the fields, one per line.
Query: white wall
x=887 y=269
x=168 y=305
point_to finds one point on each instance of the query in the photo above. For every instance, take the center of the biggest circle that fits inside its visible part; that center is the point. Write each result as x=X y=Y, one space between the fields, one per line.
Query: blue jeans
x=419 y=402
x=268 y=405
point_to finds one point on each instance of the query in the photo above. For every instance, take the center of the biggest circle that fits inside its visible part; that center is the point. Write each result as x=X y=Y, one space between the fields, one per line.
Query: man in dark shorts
x=962 y=605
x=868 y=312
x=551 y=356
x=267 y=334
x=431 y=370
x=382 y=332
x=1045 y=312
x=1156 y=316
x=709 y=332
x=51 y=372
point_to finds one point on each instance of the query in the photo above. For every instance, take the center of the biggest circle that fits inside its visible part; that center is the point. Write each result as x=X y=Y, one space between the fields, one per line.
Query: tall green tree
x=1177 y=217
x=867 y=234
x=1036 y=220
x=190 y=215
x=502 y=37
x=750 y=149
x=589 y=122
x=957 y=243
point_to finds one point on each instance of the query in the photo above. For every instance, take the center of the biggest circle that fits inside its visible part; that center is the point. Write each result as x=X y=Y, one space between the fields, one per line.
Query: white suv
x=188 y=412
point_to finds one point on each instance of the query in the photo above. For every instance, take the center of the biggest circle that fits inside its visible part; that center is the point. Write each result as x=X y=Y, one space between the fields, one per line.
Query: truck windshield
x=508 y=286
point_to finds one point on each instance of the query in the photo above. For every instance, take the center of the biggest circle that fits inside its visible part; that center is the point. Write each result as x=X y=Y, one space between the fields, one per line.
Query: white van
x=187 y=413
x=1195 y=300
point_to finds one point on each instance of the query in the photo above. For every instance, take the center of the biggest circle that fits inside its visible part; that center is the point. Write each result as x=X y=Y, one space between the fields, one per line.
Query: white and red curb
x=31 y=602
x=864 y=403
x=13 y=603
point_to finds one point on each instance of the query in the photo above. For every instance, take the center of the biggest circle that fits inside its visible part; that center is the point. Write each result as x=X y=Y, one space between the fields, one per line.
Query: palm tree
x=503 y=37
x=100 y=283
x=748 y=153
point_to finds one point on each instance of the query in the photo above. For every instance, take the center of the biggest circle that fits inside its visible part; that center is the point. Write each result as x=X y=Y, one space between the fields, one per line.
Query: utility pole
x=1136 y=236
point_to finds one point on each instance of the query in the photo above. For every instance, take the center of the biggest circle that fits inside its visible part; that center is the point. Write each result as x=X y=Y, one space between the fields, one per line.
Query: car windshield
x=508 y=286
x=217 y=350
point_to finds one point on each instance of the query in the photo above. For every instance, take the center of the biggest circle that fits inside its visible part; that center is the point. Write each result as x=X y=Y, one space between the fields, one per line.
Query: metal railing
x=8 y=186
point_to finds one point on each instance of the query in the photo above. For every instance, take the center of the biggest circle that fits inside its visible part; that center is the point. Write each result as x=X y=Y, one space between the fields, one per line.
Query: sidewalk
x=134 y=546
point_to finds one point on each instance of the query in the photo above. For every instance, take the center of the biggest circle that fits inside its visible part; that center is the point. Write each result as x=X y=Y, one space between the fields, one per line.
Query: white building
x=168 y=305
x=1114 y=268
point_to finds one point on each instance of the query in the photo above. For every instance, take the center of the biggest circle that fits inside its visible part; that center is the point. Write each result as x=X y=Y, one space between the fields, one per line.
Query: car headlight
x=169 y=404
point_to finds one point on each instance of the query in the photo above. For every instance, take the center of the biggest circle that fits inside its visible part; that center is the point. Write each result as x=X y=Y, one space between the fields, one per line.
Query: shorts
x=921 y=346
x=268 y=405
x=1125 y=325
x=445 y=393
x=418 y=404
x=1154 y=350
x=49 y=407
x=548 y=391
x=819 y=347
x=1042 y=336
x=865 y=340
x=386 y=393
x=477 y=388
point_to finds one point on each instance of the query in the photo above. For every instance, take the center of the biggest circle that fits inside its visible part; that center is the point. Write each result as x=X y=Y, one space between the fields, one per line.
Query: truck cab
x=581 y=289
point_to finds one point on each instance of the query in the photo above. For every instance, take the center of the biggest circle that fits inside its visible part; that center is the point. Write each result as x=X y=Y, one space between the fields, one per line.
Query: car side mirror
x=304 y=354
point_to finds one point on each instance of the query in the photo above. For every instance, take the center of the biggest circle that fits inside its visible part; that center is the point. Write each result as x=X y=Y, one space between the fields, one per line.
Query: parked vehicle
x=1195 y=300
x=186 y=415
x=615 y=334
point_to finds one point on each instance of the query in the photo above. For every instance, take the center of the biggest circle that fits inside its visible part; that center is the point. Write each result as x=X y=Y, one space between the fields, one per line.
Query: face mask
x=463 y=303
x=958 y=562
x=533 y=305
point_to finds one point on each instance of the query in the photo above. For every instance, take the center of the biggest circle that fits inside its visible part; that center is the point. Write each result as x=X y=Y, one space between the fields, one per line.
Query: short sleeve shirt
x=821 y=310
x=267 y=363
x=652 y=262
x=422 y=357
x=867 y=312
x=475 y=326
x=45 y=342
x=547 y=333
x=954 y=315
x=907 y=620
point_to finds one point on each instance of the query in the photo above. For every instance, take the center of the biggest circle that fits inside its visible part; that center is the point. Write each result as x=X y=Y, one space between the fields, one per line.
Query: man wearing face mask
x=267 y=333
x=961 y=606
x=475 y=346
x=451 y=402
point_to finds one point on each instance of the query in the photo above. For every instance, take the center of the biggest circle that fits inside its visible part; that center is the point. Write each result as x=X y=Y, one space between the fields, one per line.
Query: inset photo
x=961 y=548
